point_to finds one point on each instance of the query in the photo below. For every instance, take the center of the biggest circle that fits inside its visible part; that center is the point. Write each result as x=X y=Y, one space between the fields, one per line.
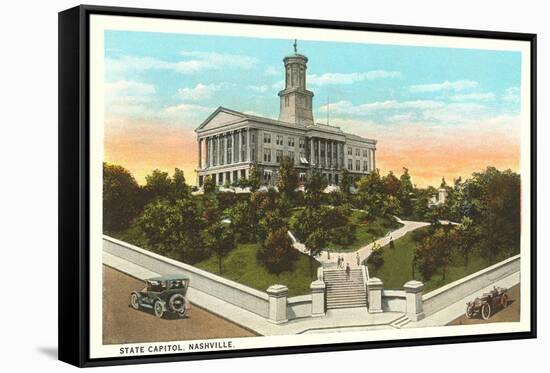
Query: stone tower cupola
x=296 y=100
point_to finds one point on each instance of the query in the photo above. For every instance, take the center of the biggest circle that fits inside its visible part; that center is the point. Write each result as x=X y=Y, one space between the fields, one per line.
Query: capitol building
x=230 y=143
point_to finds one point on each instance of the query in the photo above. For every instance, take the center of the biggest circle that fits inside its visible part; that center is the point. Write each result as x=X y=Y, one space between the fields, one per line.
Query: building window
x=301 y=144
x=302 y=177
x=267 y=155
x=350 y=150
x=253 y=138
x=358 y=165
x=279 y=140
x=252 y=154
x=350 y=165
x=365 y=153
x=357 y=152
x=365 y=166
x=291 y=155
x=229 y=154
x=268 y=175
x=267 y=138
x=291 y=141
x=278 y=156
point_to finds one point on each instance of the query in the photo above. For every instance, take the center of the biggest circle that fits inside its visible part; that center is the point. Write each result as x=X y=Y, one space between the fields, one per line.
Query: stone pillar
x=277 y=303
x=415 y=305
x=311 y=151
x=200 y=153
x=317 y=298
x=337 y=155
x=248 y=145
x=374 y=290
x=373 y=159
x=319 y=153
x=207 y=151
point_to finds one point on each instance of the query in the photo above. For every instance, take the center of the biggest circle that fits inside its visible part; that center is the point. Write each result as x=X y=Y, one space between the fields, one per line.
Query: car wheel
x=182 y=313
x=486 y=311
x=158 y=309
x=470 y=311
x=177 y=303
x=504 y=300
x=134 y=301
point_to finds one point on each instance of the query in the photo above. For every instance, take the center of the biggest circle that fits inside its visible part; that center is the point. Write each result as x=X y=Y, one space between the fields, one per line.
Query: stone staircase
x=400 y=322
x=343 y=293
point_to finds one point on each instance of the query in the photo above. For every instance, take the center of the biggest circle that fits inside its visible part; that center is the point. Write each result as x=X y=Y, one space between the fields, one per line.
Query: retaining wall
x=438 y=299
x=232 y=292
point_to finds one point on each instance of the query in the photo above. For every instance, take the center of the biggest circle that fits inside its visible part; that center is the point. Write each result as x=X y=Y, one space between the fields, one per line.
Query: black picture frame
x=74 y=191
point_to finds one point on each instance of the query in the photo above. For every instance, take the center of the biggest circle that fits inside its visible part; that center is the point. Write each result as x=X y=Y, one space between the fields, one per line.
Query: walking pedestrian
x=358 y=259
x=348 y=272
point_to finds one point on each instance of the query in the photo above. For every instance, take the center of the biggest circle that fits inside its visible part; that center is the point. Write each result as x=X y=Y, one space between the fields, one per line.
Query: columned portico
x=231 y=142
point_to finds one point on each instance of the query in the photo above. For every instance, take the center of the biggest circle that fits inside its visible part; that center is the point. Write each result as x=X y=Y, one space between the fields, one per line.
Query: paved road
x=508 y=314
x=123 y=324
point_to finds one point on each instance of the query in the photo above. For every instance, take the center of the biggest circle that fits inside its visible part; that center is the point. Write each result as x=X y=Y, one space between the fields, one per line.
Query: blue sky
x=176 y=80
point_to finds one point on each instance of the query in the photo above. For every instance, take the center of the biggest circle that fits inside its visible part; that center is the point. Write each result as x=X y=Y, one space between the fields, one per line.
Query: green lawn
x=242 y=266
x=366 y=231
x=397 y=267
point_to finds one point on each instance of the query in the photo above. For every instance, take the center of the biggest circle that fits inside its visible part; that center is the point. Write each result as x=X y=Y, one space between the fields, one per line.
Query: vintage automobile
x=163 y=294
x=487 y=303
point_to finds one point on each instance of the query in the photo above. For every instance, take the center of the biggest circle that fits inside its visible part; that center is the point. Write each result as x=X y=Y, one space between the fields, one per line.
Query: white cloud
x=489 y=96
x=259 y=88
x=350 y=78
x=193 y=62
x=457 y=85
x=128 y=97
x=393 y=111
x=274 y=71
x=511 y=95
x=200 y=91
x=126 y=87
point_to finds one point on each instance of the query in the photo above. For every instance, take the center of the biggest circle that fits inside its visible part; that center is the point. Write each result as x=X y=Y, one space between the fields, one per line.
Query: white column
x=200 y=154
x=277 y=303
x=311 y=151
x=337 y=155
x=374 y=290
x=317 y=298
x=248 y=145
x=415 y=305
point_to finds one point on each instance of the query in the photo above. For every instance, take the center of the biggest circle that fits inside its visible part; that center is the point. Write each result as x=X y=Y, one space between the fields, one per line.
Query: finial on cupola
x=295 y=46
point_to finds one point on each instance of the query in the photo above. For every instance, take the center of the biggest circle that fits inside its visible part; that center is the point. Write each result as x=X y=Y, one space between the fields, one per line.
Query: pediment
x=220 y=118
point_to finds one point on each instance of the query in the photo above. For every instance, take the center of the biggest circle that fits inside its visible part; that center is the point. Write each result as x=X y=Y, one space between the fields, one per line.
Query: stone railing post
x=277 y=303
x=374 y=289
x=317 y=298
x=415 y=306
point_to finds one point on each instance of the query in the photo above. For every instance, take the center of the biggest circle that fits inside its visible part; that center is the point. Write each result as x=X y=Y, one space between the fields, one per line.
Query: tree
x=180 y=190
x=254 y=178
x=288 y=178
x=406 y=193
x=220 y=240
x=376 y=259
x=209 y=185
x=158 y=185
x=174 y=229
x=391 y=185
x=277 y=252
x=370 y=194
x=345 y=184
x=314 y=187
x=244 y=220
x=121 y=198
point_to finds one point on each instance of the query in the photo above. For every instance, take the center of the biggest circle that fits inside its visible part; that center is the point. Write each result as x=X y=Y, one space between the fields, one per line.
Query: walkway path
x=365 y=251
